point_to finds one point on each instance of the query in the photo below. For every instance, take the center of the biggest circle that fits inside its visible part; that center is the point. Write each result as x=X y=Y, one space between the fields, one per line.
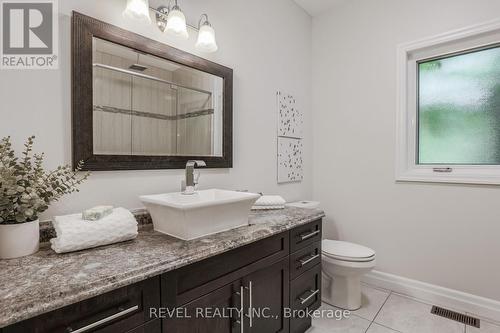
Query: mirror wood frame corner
x=84 y=29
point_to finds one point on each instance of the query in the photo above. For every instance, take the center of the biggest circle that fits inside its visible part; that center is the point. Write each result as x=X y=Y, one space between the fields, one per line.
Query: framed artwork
x=290 y=160
x=290 y=118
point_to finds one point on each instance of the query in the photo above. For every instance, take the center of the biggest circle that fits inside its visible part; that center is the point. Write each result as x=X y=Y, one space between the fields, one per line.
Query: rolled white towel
x=269 y=202
x=74 y=233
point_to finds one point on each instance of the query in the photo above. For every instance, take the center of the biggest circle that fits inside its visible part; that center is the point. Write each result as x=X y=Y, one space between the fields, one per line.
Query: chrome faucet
x=190 y=179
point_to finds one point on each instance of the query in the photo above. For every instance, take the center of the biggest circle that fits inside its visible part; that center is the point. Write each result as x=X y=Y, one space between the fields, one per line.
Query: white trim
x=408 y=53
x=433 y=294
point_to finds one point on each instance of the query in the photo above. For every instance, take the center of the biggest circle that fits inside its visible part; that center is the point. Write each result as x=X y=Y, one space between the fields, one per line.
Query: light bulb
x=138 y=10
x=206 y=39
x=176 y=23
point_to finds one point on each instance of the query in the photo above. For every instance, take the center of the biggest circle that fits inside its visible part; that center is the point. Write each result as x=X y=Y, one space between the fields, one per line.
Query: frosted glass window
x=459 y=109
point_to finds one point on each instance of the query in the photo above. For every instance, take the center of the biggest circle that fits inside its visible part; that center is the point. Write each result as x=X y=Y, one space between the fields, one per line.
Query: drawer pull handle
x=250 y=303
x=311 y=295
x=104 y=320
x=309 y=235
x=242 y=299
x=304 y=262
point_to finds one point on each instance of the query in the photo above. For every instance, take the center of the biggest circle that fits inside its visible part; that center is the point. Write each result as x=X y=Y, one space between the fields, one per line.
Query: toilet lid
x=346 y=251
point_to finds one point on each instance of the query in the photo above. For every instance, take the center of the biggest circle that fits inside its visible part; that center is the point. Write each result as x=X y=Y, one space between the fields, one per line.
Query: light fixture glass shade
x=176 y=23
x=137 y=10
x=206 y=39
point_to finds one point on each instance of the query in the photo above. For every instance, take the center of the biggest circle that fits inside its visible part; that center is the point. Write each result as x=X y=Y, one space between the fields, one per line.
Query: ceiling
x=316 y=7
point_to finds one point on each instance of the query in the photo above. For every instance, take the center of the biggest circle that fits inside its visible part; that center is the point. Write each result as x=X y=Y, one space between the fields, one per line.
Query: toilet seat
x=351 y=265
x=346 y=251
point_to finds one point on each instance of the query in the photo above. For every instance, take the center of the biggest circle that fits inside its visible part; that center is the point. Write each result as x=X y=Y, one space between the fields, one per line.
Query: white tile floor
x=384 y=311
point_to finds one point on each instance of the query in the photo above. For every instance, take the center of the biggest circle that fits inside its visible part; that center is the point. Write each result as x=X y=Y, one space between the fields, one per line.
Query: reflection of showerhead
x=137 y=67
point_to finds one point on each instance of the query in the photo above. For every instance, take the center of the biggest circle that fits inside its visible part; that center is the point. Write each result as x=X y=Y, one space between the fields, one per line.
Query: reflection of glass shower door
x=194 y=122
x=153 y=117
x=111 y=108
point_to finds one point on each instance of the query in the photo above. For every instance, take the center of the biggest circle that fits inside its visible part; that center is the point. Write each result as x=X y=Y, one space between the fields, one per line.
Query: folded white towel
x=268 y=207
x=269 y=202
x=74 y=233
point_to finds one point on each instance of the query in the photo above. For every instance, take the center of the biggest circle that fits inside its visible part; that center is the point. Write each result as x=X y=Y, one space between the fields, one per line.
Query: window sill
x=483 y=176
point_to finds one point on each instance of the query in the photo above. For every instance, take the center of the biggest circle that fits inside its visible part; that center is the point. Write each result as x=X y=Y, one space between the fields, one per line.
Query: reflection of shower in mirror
x=145 y=105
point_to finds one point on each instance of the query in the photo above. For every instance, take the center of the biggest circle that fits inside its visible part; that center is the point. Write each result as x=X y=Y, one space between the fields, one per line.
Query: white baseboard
x=432 y=294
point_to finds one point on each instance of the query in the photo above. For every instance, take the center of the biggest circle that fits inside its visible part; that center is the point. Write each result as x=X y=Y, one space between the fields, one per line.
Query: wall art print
x=290 y=160
x=290 y=118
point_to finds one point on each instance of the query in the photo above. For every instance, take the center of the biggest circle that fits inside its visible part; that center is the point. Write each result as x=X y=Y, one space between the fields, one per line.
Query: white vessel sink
x=200 y=214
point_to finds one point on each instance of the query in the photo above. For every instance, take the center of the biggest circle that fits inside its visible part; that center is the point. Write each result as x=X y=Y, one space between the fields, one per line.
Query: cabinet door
x=216 y=311
x=266 y=296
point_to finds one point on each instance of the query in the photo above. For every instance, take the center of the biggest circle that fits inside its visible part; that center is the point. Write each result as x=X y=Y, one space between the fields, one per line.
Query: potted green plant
x=26 y=191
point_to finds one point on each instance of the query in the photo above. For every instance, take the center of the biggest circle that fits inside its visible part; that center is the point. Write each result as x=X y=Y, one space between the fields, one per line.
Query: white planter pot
x=18 y=240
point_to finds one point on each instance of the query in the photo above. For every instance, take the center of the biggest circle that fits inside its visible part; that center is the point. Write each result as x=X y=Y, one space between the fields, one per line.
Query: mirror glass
x=146 y=105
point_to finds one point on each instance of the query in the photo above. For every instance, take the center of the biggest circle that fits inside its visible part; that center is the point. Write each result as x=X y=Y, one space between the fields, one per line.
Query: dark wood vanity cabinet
x=277 y=273
x=250 y=289
x=252 y=276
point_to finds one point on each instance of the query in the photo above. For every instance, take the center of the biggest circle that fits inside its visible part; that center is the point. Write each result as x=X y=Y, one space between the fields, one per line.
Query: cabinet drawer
x=305 y=293
x=117 y=311
x=305 y=235
x=305 y=290
x=304 y=259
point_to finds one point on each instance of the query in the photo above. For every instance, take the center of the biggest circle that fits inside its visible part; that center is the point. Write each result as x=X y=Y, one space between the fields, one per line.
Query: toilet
x=343 y=265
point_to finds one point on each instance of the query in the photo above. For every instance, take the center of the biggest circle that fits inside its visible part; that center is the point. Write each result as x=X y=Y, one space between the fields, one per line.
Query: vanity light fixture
x=206 y=36
x=171 y=19
x=176 y=22
x=138 y=10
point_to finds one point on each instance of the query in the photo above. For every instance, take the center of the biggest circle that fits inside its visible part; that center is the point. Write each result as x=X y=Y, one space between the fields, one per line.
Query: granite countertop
x=45 y=281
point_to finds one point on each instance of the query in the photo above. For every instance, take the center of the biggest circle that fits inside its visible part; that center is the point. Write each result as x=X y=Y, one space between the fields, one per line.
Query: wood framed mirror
x=140 y=104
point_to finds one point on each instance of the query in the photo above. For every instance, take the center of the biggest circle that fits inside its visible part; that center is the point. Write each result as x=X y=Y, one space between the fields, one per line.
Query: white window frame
x=408 y=55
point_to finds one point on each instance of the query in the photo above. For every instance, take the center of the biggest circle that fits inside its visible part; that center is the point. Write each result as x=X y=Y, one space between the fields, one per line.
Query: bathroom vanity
x=269 y=266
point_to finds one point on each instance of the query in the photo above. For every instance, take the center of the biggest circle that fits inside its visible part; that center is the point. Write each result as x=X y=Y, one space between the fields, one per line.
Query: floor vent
x=467 y=320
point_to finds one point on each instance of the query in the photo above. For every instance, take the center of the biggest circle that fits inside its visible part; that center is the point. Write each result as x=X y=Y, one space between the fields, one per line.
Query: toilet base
x=342 y=292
